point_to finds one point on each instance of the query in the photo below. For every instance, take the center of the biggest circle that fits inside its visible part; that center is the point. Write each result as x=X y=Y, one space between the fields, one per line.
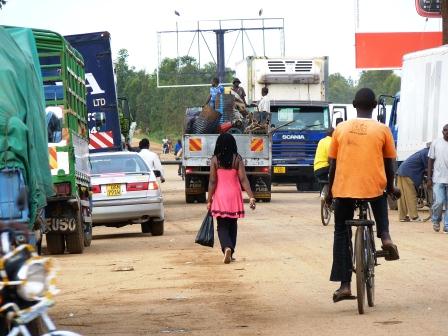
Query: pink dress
x=228 y=198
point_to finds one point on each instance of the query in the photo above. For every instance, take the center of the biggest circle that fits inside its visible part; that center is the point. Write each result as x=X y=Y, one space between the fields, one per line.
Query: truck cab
x=297 y=128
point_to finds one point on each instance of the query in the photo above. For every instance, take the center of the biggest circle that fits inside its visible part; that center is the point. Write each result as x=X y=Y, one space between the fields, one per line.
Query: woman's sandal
x=338 y=295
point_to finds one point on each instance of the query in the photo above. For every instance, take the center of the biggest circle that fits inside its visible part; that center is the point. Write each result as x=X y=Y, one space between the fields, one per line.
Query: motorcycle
x=27 y=280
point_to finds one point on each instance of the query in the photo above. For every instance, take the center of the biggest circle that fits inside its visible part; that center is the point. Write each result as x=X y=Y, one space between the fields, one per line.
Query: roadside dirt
x=278 y=285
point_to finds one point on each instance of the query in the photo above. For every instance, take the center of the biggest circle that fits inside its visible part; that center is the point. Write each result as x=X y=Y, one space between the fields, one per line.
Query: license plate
x=113 y=189
x=279 y=170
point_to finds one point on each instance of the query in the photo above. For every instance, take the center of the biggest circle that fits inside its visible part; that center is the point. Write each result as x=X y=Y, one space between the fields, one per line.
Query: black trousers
x=344 y=210
x=322 y=175
x=227 y=232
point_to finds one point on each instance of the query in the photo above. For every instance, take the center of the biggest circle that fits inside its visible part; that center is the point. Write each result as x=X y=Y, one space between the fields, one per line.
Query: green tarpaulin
x=23 y=134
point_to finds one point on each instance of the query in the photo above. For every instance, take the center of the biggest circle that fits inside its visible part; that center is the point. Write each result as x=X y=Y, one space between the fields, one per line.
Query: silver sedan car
x=125 y=191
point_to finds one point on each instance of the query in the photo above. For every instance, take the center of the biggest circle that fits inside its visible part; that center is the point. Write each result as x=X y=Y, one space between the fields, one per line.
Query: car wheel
x=157 y=227
x=55 y=243
x=146 y=227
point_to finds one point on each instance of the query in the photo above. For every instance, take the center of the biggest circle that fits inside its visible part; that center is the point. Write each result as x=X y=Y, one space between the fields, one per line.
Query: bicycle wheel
x=370 y=270
x=325 y=212
x=360 y=258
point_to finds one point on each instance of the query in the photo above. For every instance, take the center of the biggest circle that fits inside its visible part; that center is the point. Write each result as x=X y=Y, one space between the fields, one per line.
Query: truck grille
x=297 y=66
x=294 y=152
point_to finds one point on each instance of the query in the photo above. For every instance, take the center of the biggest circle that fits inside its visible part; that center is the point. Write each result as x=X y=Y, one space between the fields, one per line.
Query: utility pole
x=444 y=10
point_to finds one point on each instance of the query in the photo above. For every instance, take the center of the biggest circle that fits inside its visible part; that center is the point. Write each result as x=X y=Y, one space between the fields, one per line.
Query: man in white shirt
x=264 y=107
x=150 y=158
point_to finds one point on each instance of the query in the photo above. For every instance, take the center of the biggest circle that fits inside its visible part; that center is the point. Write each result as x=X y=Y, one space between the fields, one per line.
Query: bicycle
x=325 y=209
x=365 y=256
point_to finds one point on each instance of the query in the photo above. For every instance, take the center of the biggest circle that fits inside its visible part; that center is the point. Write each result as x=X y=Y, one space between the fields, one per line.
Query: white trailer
x=296 y=78
x=423 y=108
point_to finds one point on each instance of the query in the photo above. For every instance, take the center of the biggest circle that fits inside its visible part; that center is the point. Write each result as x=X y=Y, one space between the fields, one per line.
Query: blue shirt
x=415 y=166
x=177 y=147
x=214 y=91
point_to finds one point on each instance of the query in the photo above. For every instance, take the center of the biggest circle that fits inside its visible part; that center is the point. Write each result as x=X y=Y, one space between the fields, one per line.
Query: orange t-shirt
x=360 y=147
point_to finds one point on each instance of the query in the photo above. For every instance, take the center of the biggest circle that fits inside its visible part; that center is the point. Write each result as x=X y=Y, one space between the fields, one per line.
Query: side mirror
x=157 y=173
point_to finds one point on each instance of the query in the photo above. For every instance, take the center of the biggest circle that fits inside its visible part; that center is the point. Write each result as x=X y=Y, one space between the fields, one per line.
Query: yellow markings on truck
x=256 y=144
x=53 y=157
x=195 y=144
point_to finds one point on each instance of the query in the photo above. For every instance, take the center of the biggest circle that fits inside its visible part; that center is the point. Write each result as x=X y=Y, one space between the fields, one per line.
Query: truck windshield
x=300 y=118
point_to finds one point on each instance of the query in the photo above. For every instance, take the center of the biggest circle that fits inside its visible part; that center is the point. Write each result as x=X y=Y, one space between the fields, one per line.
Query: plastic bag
x=206 y=234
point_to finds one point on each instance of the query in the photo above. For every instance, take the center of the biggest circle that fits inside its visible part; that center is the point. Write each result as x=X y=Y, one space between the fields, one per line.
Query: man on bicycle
x=321 y=165
x=362 y=155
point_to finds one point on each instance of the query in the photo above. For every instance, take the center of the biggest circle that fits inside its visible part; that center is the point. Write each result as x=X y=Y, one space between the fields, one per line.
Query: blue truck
x=102 y=104
x=300 y=114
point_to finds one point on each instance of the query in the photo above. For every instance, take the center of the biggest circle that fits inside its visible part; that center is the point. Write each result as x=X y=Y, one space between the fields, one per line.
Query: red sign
x=429 y=8
x=386 y=50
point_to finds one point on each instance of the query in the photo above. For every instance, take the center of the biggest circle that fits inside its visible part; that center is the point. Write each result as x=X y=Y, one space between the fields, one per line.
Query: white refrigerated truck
x=297 y=92
x=423 y=108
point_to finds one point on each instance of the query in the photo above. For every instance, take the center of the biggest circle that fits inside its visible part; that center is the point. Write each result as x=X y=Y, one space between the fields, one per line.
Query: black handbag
x=206 y=234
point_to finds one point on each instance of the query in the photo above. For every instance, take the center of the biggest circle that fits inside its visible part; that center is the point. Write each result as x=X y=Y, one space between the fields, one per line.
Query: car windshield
x=300 y=118
x=106 y=164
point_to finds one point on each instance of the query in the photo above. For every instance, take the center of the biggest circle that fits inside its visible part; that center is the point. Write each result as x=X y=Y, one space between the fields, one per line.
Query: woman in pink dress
x=225 y=199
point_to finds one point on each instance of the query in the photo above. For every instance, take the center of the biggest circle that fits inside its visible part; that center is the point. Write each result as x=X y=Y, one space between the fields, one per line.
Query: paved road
x=278 y=285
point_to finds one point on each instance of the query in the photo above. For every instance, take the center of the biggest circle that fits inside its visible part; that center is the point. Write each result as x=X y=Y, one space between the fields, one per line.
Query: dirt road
x=278 y=285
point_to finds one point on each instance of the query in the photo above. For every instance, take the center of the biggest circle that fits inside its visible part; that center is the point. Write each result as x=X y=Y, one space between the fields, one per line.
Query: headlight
x=36 y=277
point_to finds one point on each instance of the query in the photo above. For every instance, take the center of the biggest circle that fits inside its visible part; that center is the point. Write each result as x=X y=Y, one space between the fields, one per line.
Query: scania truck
x=300 y=114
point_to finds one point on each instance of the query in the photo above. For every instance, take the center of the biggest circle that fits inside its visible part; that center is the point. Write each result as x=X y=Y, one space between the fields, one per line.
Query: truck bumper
x=299 y=175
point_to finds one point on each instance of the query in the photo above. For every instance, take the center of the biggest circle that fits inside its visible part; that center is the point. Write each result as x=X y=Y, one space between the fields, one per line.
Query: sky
x=311 y=28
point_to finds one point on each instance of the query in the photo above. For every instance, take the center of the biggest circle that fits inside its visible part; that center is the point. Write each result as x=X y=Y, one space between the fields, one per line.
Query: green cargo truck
x=68 y=213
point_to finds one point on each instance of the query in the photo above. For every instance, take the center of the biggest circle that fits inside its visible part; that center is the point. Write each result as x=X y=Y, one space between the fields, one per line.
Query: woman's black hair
x=225 y=149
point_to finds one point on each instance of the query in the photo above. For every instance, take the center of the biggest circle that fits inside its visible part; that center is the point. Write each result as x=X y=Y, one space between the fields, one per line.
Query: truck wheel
x=201 y=198
x=157 y=227
x=75 y=240
x=146 y=227
x=190 y=198
x=55 y=243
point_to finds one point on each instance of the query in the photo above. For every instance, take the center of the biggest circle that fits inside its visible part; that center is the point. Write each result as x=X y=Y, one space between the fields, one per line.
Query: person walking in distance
x=225 y=201
x=151 y=159
x=409 y=177
x=362 y=154
x=438 y=179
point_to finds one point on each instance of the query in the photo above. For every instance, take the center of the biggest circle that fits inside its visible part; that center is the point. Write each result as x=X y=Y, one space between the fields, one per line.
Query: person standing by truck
x=225 y=201
x=409 y=177
x=438 y=179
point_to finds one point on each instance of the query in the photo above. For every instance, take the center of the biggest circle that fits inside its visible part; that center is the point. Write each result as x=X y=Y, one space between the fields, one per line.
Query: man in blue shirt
x=215 y=89
x=410 y=176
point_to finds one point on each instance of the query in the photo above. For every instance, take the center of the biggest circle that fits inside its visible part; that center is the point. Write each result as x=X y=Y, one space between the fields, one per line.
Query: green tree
x=340 y=89
x=380 y=81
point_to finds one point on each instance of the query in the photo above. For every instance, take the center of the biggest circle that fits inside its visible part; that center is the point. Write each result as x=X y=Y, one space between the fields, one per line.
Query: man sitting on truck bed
x=362 y=154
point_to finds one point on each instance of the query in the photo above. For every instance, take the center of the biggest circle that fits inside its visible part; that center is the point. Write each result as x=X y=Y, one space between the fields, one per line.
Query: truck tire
x=75 y=240
x=157 y=227
x=190 y=198
x=201 y=198
x=55 y=243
